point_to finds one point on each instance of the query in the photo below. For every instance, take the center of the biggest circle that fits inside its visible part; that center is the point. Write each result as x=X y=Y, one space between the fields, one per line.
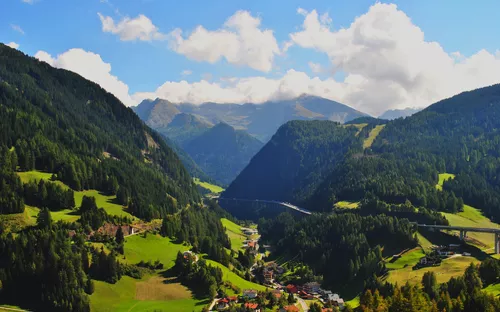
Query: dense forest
x=298 y=157
x=344 y=248
x=55 y=121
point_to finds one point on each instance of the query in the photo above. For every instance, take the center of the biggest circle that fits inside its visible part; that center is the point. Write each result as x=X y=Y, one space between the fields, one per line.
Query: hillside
x=57 y=122
x=184 y=127
x=222 y=152
x=294 y=162
x=259 y=120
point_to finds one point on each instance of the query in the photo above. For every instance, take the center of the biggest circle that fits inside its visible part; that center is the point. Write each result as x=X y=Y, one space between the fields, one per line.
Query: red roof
x=251 y=305
x=291 y=288
x=232 y=298
x=251 y=244
x=224 y=300
x=291 y=308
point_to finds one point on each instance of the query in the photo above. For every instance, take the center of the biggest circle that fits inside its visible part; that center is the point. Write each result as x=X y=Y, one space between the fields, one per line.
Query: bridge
x=463 y=232
x=275 y=202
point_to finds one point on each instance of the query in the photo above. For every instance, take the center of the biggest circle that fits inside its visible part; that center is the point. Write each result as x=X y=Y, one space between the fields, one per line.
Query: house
x=289 y=308
x=254 y=307
x=326 y=310
x=312 y=287
x=268 y=276
x=190 y=255
x=232 y=298
x=276 y=293
x=305 y=295
x=292 y=289
x=250 y=293
x=336 y=300
x=249 y=231
x=222 y=304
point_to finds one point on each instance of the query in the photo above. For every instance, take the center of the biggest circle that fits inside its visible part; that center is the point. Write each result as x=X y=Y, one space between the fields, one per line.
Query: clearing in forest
x=371 y=137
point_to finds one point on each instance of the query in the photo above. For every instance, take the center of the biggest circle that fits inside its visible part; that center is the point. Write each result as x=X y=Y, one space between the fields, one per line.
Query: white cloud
x=316 y=68
x=242 y=90
x=389 y=64
x=240 y=41
x=28 y=1
x=17 y=28
x=139 y=28
x=90 y=66
x=186 y=72
x=13 y=45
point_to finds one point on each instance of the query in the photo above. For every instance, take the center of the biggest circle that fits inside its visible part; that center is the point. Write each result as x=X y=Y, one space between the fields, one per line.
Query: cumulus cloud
x=90 y=66
x=129 y=29
x=243 y=90
x=17 y=28
x=389 y=64
x=13 y=45
x=240 y=41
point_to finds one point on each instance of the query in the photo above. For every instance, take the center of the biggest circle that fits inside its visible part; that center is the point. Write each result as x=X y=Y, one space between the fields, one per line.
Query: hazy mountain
x=185 y=127
x=397 y=113
x=259 y=120
x=222 y=152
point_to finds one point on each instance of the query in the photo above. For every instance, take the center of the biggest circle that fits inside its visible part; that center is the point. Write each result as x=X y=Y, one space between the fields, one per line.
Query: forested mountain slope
x=292 y=164
x=54 y=120
x=458 y=135
x=222 y=152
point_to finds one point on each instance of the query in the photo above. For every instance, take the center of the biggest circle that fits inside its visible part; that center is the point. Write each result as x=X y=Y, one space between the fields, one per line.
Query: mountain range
x=398 y=113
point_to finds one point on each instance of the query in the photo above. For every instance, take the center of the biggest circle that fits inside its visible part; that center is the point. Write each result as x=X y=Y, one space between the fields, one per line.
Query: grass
x=353 y=303
x=17 y=221
x=346 y=205
x=371 y=137
x=234 y=233
x=424 y=242
x=236 y=280
x=472 y=217
x=153 y=247
x=125 y=294
x=408 y=259
x=493 y=289
x=443 y=177
x=103 y=201
x=449 y=268
x=211 y=187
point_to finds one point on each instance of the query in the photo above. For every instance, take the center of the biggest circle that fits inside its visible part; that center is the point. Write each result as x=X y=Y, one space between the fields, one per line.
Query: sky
x=372 y=56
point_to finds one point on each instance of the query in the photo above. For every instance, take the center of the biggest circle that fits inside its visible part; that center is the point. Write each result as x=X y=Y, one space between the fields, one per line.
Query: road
x=302 y=303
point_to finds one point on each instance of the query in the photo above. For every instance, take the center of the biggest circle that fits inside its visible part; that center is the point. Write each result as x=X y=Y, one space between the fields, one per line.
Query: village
x=288 y=298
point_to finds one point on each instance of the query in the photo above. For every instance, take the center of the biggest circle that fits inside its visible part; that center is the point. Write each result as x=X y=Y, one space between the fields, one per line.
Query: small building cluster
x=190 y=255
x=270 y=271
x=313 y=290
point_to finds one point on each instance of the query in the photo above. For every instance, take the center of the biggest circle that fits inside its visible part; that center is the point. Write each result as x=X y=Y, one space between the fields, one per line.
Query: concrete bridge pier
x=463 y=235
x=497 y=243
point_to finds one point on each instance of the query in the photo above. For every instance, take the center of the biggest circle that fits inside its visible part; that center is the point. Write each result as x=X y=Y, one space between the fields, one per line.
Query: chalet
x=250 y=293
x=253 y=307
x=249 y=231
x=110 y=229
x=268 y=276
x=276 y=293
x=190 y=255
x=312 y=287
x=222 y=304
x=336 y=300
x=232 y=299
x=305 y=295
x=289 y=308
x=292 y=289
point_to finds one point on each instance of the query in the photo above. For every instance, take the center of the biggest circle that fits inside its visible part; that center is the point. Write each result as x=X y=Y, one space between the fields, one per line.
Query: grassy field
x=493 y=290
x=443 y=177
x=450 y=267
x=424 y=242
x=358 y=126
x=103 y=201
x=152 y=293
x=408 y=259
x=153 y=247
x=346 y=205
x=474 y=218
x=353 y=303
x=373 y=134
x=234 y=233
x=235 y=279
x=211 y=187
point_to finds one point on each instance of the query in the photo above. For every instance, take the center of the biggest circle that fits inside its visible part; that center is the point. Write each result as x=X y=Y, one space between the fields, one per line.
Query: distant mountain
x=294 y=162
x=397 y=113
x=367 y=120
x=259 y=120
x=222 y=152
x=185 y=127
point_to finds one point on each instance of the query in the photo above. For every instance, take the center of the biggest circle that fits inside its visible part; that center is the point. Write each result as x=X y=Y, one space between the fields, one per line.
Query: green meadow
x=211 y=187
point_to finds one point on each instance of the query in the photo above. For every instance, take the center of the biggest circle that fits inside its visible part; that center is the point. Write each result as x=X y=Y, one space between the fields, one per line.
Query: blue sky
x=349 y=76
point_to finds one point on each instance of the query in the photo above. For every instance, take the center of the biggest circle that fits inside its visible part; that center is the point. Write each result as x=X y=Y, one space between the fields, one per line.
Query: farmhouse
x=222 y=304
x=292 y=289
x=250 y=293
x=289 y=308
x=190 y=255
x=253 y=307
x=312 y=287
